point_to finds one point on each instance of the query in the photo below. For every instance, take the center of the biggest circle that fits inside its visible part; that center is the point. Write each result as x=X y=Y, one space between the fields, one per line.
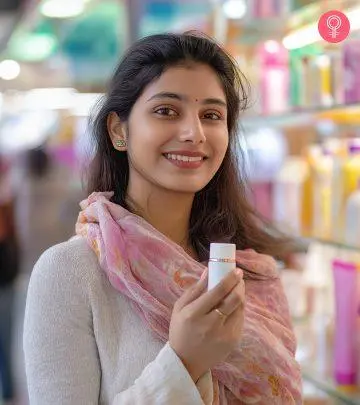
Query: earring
x=120 y=143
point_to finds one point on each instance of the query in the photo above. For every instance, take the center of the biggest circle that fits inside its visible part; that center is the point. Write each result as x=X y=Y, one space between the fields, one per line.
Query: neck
x=167 y=211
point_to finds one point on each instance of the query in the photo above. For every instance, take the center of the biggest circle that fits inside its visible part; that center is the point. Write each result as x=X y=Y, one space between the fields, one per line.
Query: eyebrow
x=180 y=97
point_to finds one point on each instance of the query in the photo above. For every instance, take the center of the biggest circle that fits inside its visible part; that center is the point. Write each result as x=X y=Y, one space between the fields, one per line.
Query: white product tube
x=221 y=262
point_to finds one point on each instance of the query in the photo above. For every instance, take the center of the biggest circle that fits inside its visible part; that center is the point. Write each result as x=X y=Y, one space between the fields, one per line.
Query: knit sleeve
x=61 y=358
x=166 y=381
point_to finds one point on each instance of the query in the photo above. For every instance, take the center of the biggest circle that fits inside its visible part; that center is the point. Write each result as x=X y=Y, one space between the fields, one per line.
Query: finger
x=248 y=251
x=211 y=299
x=236 y=318
x=193 y=292
x=232 y=302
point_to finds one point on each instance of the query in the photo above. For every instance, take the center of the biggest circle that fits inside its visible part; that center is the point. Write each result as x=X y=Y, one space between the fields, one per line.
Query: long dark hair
x=221 y=211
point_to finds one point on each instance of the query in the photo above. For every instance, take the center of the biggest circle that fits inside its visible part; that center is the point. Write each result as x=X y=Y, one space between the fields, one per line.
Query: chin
x=189 y=187
x=187 y=184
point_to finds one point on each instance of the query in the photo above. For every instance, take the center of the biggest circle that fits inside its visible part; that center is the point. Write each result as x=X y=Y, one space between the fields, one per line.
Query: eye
x=166 y=111
x=212 y=116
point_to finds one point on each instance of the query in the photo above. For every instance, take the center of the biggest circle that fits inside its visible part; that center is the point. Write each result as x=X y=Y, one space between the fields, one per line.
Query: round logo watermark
x=334 y=26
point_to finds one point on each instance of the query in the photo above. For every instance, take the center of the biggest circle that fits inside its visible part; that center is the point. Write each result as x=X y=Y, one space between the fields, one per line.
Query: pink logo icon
x=334 y=26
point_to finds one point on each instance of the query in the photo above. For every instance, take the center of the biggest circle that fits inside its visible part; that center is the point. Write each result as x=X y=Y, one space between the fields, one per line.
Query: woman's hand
x=201 y=336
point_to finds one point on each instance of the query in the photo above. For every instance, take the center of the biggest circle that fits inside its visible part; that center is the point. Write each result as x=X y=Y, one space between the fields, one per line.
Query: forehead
x=194 y=80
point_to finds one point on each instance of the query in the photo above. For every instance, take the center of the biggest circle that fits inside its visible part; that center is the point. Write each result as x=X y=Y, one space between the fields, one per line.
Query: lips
x=184 y=160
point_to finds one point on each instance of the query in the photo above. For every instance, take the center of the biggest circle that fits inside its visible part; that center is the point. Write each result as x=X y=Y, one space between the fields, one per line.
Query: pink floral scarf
x=153 y=272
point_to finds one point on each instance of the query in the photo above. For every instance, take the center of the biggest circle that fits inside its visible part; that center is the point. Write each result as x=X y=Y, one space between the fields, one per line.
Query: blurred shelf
x=315 y=355
x=313 y=395
x=253 y=29
x=306 y=241
x=328 y=385
x=302 y=115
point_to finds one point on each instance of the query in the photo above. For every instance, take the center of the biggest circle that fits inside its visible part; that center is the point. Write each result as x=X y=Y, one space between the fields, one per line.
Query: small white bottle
x=221 y=262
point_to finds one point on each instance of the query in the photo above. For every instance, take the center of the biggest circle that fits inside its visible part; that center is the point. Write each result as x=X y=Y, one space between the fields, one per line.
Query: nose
x=192 y=130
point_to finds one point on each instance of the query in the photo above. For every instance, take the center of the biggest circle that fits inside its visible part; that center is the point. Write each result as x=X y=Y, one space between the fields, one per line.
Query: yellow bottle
x=307 y=198
x=322 y=172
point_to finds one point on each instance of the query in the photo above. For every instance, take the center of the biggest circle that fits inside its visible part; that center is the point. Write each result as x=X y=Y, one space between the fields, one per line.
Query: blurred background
x=301 y=132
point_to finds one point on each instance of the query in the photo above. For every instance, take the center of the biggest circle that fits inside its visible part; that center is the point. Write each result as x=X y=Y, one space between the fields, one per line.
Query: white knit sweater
x=84 y=343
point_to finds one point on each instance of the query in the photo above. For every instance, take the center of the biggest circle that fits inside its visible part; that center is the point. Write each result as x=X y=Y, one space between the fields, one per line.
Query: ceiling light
x=302 y=37
x=32 y=47
x=9 y=70
x=234 y=9
x=62 y=8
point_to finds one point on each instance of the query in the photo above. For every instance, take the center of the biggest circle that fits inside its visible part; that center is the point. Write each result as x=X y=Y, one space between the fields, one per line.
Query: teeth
x=183 y=158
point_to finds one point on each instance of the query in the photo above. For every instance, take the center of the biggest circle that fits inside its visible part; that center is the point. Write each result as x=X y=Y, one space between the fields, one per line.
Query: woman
x=120 y=313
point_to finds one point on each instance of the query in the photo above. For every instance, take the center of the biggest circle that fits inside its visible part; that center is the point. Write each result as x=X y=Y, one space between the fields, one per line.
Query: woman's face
x=177 y=132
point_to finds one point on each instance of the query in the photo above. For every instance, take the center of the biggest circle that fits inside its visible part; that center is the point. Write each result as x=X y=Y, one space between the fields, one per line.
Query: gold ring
x=221 y=314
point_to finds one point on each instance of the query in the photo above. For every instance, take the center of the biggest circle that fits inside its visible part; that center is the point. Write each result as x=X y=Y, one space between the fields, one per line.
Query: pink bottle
x=346 y=312
x=274 y=72
x=352 y=71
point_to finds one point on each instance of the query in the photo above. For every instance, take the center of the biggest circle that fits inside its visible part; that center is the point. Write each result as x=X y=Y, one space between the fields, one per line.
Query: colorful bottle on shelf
x=274 y=77
x=358 y=320
x=324 y=97
x=337 y=193
x=352 y=71
x=337 y=76
x=295 y=88
x=322 y=173
x=346 y=313
x=288 y=195
x=307 y=199
x=352 y=219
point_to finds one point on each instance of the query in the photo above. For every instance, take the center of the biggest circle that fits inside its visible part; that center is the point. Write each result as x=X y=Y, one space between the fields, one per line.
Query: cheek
x=220 y=144
x=141 y=136
x=149 y=134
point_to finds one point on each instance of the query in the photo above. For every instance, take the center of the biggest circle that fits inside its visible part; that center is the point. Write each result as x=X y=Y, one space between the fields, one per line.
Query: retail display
x=315 y=76
x=315 y=195
x=300 y=81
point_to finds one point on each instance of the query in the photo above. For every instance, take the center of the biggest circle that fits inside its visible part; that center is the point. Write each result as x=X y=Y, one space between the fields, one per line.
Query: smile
x=186 y=162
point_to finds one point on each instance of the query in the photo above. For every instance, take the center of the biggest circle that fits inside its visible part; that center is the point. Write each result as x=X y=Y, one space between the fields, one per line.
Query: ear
x=117 y=132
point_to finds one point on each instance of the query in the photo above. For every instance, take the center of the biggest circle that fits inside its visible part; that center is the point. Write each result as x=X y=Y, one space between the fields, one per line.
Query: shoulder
x=67 y=265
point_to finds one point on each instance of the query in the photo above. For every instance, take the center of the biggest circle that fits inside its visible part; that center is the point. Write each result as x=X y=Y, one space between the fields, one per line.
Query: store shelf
x=315 y=349
x=299 y=115
x=305 y=241
x=327 y=385
x=313 y=395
